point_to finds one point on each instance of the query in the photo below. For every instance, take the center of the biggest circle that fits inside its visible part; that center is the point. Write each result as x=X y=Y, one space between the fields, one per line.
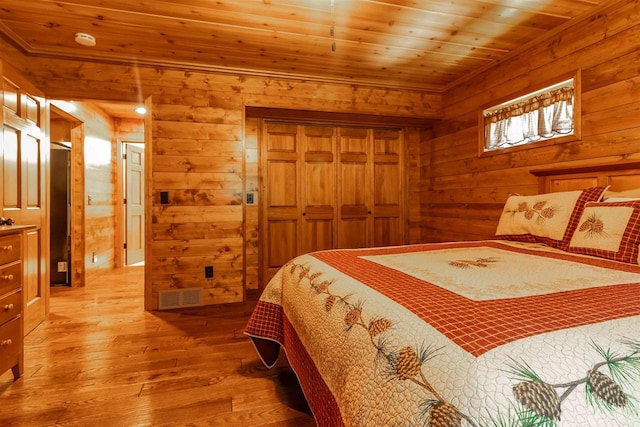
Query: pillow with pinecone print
x=609 y=230
x=548 y=218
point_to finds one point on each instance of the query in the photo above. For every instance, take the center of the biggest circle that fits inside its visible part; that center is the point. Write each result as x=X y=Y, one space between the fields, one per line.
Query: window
x=548 y=113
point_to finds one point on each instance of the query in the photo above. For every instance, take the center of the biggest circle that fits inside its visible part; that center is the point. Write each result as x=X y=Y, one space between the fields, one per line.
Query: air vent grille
x=180 y=298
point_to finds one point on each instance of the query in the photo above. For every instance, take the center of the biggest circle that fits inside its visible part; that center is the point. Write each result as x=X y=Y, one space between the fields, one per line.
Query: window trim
x=577 y=117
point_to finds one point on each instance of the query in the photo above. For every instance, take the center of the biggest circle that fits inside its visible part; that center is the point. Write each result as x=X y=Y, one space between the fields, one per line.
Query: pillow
x=625 y=195
x=548 y=218
x=609 y=230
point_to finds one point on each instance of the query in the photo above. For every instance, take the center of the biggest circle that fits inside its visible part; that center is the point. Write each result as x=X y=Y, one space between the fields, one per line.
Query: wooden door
x=24 y=157
x=134 y=203
x=318 y=199
x=279 y=196
x=354 y=188
x=325 y=187
x=371 y=188
x=388 y=188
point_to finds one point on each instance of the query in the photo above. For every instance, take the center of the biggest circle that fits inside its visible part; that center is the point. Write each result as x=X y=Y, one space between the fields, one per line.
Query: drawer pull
x=7 y=248
x=7 y=277
x=6 y=343
x=8 y=307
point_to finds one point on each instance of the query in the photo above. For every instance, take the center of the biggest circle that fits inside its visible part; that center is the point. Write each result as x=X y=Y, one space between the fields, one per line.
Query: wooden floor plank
x=100 y=360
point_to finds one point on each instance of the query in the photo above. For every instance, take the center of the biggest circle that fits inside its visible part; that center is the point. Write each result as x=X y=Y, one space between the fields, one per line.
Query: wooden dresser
x=11 y=299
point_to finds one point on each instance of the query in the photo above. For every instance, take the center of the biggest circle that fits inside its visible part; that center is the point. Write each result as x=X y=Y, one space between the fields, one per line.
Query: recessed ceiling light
x=141 y=110
x=85 y=39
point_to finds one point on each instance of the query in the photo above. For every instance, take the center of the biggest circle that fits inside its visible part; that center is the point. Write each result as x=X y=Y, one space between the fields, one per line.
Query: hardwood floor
x=99 y=359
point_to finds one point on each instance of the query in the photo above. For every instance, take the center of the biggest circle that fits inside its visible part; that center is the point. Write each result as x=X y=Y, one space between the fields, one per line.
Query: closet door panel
x=282 y=243
x=281 y=184
x=386 y=231
x=354 y=190
x=387 y=182
x=280 y=199
x=388 y=188
x=353 y=233
x=318 y=189
x=318 y=235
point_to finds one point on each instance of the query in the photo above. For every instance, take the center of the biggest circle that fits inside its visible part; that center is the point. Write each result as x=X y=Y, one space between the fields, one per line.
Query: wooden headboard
x=621 y=176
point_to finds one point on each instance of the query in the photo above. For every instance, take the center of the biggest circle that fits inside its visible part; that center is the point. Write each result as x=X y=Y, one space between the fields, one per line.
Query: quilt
x=485 y=333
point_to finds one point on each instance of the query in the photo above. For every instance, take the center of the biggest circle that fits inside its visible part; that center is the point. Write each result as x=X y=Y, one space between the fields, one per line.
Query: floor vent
x=179 y=298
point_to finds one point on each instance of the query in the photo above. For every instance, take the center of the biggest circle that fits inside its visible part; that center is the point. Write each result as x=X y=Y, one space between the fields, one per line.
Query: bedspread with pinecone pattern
x=488 y=333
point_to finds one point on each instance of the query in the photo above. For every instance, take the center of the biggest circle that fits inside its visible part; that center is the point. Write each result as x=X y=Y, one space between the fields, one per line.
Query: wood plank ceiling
x=416 y=44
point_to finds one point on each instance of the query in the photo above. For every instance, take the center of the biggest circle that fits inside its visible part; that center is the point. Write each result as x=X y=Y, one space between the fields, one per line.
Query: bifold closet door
x=280 y=198
x=298 y=192
x=354 y=188
x=325 y=187
x=388 y=216
x=318 y=186
x=371 y=187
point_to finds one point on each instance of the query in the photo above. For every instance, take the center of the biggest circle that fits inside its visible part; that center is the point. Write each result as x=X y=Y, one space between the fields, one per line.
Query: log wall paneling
x=199 y=163
x=198 y=116
x=464 y=193
x=95 y=176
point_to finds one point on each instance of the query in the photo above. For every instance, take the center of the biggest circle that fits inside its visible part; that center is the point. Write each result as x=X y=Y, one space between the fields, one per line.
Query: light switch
x=252 y=198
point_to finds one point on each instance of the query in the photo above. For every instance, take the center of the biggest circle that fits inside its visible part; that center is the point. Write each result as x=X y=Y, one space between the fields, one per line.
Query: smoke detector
x=85 y=39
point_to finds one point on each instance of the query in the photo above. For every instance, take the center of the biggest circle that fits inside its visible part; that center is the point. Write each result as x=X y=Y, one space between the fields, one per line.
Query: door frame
x=121 y=214
x=57 y=147
x=76 y=264
x=313 y=118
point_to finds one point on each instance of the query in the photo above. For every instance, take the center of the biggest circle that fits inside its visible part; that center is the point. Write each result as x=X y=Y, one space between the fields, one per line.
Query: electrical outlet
x=208 y=272
x=62 y=266
x=94 y=258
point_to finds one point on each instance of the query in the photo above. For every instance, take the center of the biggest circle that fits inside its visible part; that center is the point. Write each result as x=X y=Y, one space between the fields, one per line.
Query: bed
x=539 y=326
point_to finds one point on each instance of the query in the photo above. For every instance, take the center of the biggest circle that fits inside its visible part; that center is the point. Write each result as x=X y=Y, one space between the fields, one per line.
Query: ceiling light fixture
x=85 y=39
x=141 y=110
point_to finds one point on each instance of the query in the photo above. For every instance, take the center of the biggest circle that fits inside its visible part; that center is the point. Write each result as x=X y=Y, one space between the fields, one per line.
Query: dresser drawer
x=10 y=344
x=9 y=249
x=10 y=277
x=10 y=306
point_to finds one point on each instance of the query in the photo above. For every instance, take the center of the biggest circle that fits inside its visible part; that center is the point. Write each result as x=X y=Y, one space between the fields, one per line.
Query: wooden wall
x=204 y=152
x=205 y=156
x=463 y=194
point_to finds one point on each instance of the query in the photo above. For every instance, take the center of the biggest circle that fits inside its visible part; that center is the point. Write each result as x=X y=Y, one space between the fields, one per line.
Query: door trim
x=76 y=264
x=121 y=193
